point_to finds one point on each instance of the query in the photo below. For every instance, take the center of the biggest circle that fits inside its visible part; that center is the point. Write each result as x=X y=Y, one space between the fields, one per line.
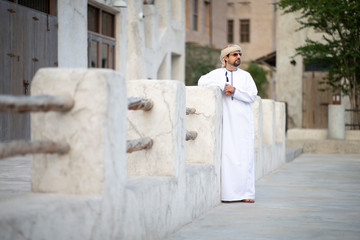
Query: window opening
x=101 y=38
x=230 y=32
x=245 y=30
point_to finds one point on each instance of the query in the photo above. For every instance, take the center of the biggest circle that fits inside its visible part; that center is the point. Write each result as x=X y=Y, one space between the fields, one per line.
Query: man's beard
x=237 y=62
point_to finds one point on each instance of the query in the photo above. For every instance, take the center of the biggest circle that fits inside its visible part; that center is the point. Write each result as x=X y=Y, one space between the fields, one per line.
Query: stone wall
x=97 y=191
x=319 y=141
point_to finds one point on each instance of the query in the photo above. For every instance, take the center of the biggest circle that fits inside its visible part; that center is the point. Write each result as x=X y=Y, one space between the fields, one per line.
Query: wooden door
x=314 y=102
x=28 y=41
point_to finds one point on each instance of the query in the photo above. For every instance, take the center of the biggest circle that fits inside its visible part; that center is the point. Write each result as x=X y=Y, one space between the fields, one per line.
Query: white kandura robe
x=237 y=164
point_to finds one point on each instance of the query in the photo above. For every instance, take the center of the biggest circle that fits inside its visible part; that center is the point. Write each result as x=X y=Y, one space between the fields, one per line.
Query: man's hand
x=229 y=90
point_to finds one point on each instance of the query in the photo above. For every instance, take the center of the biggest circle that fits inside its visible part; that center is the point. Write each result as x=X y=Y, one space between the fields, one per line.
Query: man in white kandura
x=239 y=91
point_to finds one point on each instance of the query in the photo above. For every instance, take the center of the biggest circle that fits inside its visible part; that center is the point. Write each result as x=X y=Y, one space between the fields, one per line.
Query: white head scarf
x=227 y=50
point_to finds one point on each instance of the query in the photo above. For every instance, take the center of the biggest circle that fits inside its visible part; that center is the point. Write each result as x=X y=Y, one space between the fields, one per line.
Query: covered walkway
x=317 y=196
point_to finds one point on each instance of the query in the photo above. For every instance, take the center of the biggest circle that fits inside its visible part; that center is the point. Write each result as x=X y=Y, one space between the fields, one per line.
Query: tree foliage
x=259 y=76
x=199 y=61
x=339 y=49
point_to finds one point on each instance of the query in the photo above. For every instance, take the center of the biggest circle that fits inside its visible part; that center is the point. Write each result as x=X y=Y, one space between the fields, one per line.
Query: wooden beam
x=190 y=135
x=21 y=147
x=41 y=103
x=190 y=111
x=140 y=104
x=138 y=144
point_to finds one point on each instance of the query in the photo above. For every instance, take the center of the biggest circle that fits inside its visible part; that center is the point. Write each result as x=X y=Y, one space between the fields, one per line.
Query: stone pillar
x=207 y=121
x=258 y=141
x=280 y=122
x=72 y=34
x=280 y=139
x=269 y=134
x=336 y=124
x=164 y=123
x=95 y=129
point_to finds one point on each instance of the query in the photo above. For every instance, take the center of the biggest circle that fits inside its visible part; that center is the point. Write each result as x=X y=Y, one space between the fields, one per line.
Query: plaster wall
x=112 y=200
x=289 y=76
x=261 y=14
x=155 y=42
x=273 y=137
x=206 y=120
x=72 y=41
x=318 y=134
x=72 y=52
x=165 y=122
x=87 y=128
x=149 y=37
x=258 y=138
x=217 y=36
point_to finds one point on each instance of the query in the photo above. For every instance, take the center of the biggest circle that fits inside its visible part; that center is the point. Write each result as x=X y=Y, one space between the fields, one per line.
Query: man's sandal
x=248 y=200
x=244 y=200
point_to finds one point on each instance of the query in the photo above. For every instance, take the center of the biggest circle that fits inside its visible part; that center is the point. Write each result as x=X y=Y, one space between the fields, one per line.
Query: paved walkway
x=316 y=196
x=313 y=197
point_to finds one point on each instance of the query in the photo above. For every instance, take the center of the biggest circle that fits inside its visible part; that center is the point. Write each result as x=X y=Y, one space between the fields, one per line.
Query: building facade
x=206 y=22
x=252 y=24
x=139 y=39
x=297 y=83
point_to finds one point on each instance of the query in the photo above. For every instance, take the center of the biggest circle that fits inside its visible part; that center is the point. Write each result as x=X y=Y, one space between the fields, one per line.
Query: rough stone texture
x=268 y=135
x=336 y=123
x=352 y=134
x=298 y=133
x=318 y=134
x=124 y=206
x=273 y=135
x=164 y=123
x=93 y=129
x=258 y=135
x=258 y=122
x=70 y=12
x=156 y=41
x=280 y=140
x=207 y=121
x=148 y=207
x=289 y=77
x=325 y=145
x=269 y=121
x=280 y=122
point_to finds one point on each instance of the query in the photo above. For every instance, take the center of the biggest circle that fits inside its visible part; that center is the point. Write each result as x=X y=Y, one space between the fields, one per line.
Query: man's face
x=234 y=58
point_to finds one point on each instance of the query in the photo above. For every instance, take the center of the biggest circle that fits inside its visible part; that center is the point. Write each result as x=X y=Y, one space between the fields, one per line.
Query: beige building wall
x=261 y=14
x=150 y=37
x=211 y=23
x=290 y=75
x=155 y=40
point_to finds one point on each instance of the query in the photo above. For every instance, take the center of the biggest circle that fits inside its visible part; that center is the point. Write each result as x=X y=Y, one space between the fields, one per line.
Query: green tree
x=259 y=76
x=199 y=61
x=339 y=49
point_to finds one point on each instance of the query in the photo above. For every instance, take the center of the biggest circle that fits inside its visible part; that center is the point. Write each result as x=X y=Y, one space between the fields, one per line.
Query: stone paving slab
x=317 y=196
